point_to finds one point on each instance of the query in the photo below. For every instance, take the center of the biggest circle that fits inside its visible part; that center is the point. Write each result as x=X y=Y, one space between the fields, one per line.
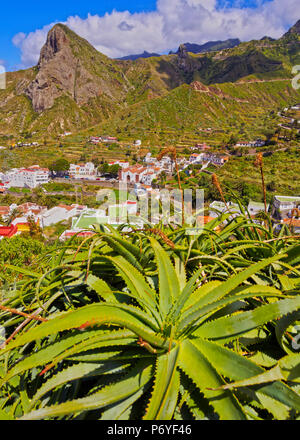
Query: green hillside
x=247 y=109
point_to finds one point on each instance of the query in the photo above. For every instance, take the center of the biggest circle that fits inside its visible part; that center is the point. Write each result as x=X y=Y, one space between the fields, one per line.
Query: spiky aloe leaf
x=168 y=280
x=101 y=288
x=227 y=329
x=233 y=282
x=66 y=347
x=129 y=252
x=136 y=379
x=286 y=331
x=237 y=367
x=97 y=314
x=204 y=375
x=81 y=370
x=166 y=387
x=194 y=314
x=136 y=283
x=5 y=416
x=122 y=410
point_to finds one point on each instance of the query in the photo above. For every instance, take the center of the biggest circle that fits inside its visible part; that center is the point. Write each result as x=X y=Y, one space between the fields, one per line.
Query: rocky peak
x=57 y=71
x=183 y=58
x=182 y=51
x=295 y=30
x=70 y=67
x=56 y=41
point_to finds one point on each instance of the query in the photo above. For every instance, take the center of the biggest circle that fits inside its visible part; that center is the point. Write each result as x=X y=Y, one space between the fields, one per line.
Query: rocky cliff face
x=61 y=72
x=57 y=70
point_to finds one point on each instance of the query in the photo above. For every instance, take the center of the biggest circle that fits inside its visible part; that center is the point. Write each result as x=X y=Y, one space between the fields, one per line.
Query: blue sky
x=27 y=16
x=154 y=25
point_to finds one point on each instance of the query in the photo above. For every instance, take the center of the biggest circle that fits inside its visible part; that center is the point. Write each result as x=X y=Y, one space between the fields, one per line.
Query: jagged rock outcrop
x=187 y=64
x=61 y=72
x=57 y=69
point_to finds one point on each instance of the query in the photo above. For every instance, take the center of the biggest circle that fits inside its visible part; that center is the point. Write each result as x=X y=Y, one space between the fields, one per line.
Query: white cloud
x=174 y=21
x=31 y=44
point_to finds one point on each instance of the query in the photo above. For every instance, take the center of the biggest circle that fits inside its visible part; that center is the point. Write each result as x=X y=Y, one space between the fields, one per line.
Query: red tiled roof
x=8 y=231
x=67 y=207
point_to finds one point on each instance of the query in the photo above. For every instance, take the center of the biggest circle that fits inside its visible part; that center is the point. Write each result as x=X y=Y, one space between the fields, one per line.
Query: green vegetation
x=19 y=190
x=56 y=186
x=156 y=324
x=280 y=173
x=19 y=251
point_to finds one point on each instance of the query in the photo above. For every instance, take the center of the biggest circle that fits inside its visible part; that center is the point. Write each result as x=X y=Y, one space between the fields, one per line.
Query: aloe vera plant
x=162 y=341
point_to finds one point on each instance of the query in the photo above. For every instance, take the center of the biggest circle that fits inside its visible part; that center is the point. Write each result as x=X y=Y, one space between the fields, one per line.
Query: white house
x=150 y=175
x=132 y=174
x=121 y=163
x=283 y=206
x=60 y=213
x=197 y=158
x=139 y=174
x=257 y=143
x=255 y=208
x=82 y=170
x=117 y=215
x=30 y=177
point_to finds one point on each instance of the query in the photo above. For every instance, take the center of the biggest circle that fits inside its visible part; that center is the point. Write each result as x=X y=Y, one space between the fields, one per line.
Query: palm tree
x=12 y=216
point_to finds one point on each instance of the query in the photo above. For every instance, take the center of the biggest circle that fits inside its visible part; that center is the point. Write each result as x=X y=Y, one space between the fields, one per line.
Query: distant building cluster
x=20 y=217
x=103 y=139
x=31 y=177
x=215 y=159
x=252 y=144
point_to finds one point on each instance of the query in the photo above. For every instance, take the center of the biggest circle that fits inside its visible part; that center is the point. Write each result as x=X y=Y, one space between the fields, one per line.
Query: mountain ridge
x=210 y=46
x=145 y=54
x=74 y=86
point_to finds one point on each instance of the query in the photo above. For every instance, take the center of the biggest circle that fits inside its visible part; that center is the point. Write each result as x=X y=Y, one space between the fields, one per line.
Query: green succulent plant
x=163 y=343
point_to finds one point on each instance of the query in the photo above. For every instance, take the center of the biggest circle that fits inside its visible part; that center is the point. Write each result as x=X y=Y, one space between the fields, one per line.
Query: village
x=144 y=178
x=141 y=179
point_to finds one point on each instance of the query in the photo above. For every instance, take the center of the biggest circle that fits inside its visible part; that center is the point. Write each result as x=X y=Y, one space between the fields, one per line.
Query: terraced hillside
x=192 y=113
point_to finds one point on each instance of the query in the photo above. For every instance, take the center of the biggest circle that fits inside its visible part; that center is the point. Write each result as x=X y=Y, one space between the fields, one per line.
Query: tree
x=104 y=168
x=34 y=230
x=232 y=140
x=60 y=165
x=271 y=186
